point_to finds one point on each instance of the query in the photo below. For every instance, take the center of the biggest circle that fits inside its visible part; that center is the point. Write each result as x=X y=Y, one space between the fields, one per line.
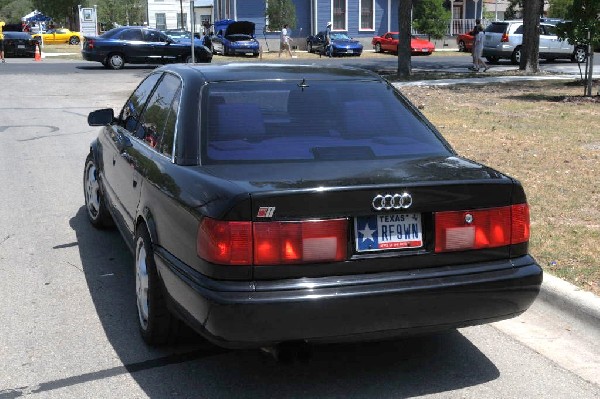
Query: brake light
x=504 y=38
x=90 y=43
x=272 y=243
x=482 y=228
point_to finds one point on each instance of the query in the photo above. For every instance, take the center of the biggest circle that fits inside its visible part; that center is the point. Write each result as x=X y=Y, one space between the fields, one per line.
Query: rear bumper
x=350 y=308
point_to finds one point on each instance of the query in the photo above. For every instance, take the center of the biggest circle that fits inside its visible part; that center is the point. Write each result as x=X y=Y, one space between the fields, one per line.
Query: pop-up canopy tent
x=36 y=16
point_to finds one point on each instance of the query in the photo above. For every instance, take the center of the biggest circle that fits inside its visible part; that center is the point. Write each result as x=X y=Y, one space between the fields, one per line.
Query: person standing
x=284 y=41
x=2 y=23
x=474 y=34
x=478 y=62
x=328 y=48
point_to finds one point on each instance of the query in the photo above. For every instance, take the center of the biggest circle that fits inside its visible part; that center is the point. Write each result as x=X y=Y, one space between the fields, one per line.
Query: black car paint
x=164 y=51
x=12 y=41
x=235 y=306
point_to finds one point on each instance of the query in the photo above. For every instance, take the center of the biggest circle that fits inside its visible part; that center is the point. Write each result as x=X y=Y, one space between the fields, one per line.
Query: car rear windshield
x=312 y=121
x=496 y=27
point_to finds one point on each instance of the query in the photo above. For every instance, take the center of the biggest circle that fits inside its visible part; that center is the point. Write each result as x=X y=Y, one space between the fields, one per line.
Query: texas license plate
x=350 y=51
x=424 y=50
x=20 y=46
x=389 y=231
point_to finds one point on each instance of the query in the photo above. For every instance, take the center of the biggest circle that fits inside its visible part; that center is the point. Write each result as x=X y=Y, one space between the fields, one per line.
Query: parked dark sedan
x=257 y=226
x=341 y=44
x=19 y=44
x=139 y=45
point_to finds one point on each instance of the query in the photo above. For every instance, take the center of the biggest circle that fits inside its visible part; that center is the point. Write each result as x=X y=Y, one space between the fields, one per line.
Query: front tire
x=188 y=59
x=157 y=325
x=462 y=47
x=115 y=61
x=95 y=203
x=309 y=47
x=378 y=47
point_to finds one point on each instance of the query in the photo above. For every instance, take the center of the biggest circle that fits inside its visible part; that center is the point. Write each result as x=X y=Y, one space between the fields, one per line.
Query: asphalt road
x=67 y=313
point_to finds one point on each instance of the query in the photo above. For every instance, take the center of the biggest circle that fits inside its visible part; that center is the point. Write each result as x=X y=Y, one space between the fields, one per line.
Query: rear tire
x=73 y=40
x=515 y=58
x=579 y=55
x=157 y=325
x=115 y=61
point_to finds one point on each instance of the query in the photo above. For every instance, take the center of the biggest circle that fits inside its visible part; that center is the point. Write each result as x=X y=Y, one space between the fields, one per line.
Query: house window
x=367 y=15
x=339 y=14
x=161 y=20
x=179 y=25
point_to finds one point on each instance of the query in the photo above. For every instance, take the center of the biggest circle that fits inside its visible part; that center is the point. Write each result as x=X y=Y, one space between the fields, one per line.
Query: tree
x=430 y=17
x=584 y=29
x=13 y=11
x=530 y=49
x=404 y=29
x=279 y=13
x=513 y=10
x=559 y=8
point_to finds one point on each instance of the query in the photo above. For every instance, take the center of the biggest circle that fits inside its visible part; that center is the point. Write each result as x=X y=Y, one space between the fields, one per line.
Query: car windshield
x=311 y=121
x=339 y=36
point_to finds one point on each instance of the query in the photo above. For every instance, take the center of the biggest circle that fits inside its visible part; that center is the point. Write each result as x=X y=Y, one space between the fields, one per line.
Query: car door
x=133 y=46
x=558 y=46
x=217 y=42
x=120 y=154
x=388 y=43
x=548 y=42
x=61 y=36
x=159 y=48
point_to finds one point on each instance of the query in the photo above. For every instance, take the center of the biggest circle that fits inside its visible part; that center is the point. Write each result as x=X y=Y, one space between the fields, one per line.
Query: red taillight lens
x=300 y=242
x=90 y=44
x=271 y=243
x=504 y=38
x=222 y=242
x=483 y=228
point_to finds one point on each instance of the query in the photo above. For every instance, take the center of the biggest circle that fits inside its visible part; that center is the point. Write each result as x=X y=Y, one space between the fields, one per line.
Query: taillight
x=227 y=243
x=504 y=38
x=272 y=243
x=90 y=43
x=482 y=228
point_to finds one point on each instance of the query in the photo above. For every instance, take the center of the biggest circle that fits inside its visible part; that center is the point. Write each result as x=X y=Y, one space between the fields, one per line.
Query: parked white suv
x=503 y=39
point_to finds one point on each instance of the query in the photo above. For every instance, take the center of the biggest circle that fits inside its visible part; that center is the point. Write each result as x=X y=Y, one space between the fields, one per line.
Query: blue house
x=359 y=18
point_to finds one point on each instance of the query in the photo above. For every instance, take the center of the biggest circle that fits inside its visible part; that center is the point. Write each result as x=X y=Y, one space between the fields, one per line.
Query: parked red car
x=389 y=42
x=465 y=41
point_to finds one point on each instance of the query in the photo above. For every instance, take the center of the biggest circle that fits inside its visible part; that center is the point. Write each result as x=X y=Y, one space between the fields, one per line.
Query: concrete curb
x=584 y=305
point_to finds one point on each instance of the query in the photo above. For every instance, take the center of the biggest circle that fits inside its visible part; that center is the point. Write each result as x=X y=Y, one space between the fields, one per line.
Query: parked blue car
x=234 y=37
x=341 y=44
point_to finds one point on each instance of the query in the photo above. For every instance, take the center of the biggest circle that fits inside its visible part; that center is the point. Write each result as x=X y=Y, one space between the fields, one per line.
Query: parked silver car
x=503 y=39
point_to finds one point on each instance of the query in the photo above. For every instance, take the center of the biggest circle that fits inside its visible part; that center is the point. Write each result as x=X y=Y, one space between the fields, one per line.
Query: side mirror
x=101 y=117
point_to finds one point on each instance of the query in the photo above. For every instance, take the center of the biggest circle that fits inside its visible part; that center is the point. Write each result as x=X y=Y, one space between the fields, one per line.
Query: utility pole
x=181 y=15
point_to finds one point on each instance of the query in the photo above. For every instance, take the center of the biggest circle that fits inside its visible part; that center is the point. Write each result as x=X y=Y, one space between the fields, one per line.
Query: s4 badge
x=265 y=212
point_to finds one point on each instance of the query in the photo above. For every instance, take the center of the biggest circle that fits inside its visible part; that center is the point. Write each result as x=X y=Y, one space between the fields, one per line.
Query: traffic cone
x=38 y=56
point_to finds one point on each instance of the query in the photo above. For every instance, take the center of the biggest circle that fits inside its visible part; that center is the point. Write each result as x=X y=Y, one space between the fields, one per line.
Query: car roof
x=266 y=72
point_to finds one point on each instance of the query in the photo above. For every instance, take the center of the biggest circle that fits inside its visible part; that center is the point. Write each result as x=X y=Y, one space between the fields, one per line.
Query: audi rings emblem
x=392 y=201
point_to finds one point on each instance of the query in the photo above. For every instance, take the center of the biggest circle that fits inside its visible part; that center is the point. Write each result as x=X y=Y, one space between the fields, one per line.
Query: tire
x=115 y=61
x=188 y=59
x=309 y=47
x=378 y=47
x=579 y=55
x=156 y=324
x=492 y=60
x=462 y=47
x=95 y=203
x=73 y=40
x=515 y=57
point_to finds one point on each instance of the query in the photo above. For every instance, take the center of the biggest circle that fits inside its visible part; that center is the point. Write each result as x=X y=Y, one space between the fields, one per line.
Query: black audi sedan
x=140 y=45
x=19 y=44
x=258 y=226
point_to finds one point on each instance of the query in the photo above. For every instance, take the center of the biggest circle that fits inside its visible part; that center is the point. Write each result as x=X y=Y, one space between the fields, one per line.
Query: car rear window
x=495 y=27
x=311 y=121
